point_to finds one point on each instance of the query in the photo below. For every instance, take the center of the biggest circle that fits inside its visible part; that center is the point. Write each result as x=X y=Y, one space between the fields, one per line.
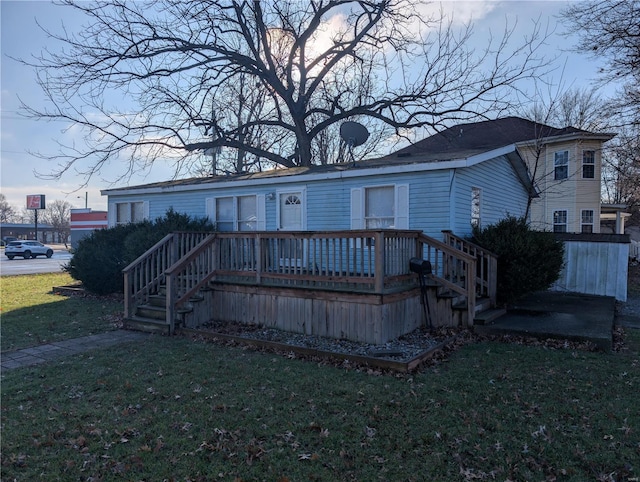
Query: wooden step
x=158 y=300
x=148 y=325
x=151 y=312
x=487 y=316
x=160 y=312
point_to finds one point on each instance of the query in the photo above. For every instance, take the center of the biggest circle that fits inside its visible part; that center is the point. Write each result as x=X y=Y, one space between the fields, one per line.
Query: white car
x=27 y=249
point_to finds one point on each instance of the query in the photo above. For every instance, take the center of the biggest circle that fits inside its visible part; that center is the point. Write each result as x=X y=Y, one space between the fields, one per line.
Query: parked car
x=27 y=249
x=7 y=239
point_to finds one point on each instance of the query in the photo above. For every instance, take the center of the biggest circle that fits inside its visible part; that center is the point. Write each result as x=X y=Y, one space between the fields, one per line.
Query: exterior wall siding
x=572 y=194
x=501 y=194
x=432 y=197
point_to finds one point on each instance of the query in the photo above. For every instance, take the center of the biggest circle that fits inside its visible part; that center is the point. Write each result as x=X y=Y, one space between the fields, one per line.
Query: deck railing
x=358 y=261
x=145 y=275
x=486 y=265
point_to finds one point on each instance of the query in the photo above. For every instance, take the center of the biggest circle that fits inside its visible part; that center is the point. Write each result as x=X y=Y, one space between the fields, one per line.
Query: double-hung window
x=379 y=212
x=236 y=213
x=225 y=216
x=586 y=225
x=560 y=221
x=130 y=212
x=247 y=213
x=380 y=207
x=561 y=165
x=588 y=164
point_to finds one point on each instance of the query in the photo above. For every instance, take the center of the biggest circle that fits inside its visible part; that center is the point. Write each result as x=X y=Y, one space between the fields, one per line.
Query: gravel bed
x=403 y=349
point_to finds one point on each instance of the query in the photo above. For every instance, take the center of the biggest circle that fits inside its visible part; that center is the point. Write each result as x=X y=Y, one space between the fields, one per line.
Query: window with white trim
x=224 y=214
x=476 y=200
x=588 y=164
x=236 y=213
x=379 y=207
x=561 y=165
x=586 y=224
x=247 y=213
x=131 y=212
x=560 y=221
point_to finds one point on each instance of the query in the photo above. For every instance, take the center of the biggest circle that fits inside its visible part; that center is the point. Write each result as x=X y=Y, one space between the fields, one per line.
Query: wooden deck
x=348 y=284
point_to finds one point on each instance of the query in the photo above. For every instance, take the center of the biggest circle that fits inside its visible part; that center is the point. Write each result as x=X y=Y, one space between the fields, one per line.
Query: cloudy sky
x=21 y=137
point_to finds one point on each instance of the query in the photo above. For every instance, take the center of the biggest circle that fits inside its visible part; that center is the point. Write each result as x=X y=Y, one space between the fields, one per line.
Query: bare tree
x=609 y=31
x=7 y=212
x=582 y=108
x=58 y=215
x=314 y=63
x=621 y=172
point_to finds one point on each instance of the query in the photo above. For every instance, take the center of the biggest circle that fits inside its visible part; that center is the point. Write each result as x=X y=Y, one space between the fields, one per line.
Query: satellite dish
x=353 y=134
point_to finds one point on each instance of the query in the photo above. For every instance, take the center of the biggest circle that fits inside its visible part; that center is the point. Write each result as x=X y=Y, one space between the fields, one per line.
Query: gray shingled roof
x=459 y=142
x=485 y=136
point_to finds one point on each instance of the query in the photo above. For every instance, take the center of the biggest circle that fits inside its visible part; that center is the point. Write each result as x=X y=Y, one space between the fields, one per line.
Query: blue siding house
x=326 y=250
x=424 y=192
x=331 y=250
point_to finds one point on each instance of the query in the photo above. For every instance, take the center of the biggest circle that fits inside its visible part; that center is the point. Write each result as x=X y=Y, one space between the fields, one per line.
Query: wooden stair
x=484 y=313
x=152 y=316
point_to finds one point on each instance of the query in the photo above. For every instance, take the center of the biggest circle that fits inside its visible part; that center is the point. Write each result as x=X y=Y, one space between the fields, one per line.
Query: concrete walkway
x=51 y=351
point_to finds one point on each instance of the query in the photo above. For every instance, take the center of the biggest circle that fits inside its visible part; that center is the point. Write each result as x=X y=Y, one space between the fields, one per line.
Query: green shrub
x=148 y=233
x=99 y=259
x=528 y=260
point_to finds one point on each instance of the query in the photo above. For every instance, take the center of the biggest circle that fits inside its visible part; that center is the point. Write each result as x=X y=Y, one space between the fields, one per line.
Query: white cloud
x=460 y=13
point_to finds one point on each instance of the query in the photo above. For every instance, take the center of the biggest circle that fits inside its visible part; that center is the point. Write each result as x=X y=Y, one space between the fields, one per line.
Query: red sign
x=35 y=201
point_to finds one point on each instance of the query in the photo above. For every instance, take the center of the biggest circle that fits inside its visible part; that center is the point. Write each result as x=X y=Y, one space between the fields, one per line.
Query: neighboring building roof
x=25 y=226
x=491 y=134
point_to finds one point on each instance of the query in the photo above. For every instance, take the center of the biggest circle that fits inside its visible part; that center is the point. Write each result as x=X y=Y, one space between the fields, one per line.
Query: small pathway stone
x=50 y=351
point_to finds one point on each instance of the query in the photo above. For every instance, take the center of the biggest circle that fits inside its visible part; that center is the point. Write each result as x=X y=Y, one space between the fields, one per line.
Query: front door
x=290 y=219
x=290 y=211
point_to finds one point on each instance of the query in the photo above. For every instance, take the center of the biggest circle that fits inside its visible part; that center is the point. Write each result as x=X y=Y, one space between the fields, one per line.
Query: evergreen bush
x=528 y=260
x=100 y=258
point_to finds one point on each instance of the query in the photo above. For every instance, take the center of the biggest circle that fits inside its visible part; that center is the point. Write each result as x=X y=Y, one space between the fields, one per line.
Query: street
x=41 y=264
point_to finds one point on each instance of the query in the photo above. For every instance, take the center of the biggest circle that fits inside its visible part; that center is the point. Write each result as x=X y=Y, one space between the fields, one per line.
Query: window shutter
x=402 y=206
x=357 y=213
x=261 y=213
x=210 y=209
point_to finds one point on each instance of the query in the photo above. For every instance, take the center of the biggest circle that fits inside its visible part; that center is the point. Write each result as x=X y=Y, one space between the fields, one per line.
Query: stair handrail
x=452 y=268
x=486 y=267
x=193 y=270
x=145 y=274
x=137 y=286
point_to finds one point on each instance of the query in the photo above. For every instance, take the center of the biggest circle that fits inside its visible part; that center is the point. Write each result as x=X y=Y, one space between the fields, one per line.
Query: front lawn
x=32 y=314
x=178 y=409
x=186 y=410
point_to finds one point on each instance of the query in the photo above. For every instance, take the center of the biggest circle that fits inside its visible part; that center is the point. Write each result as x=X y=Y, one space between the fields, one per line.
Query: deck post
x=175 y=254
x=379 y=264
x=470 y=282
x=128 y=306
x=171 y=305
x=258 y=258
x=493 y=280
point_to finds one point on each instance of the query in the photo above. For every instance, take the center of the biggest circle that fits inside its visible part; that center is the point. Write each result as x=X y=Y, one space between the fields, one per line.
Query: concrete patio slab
x=552 y=314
